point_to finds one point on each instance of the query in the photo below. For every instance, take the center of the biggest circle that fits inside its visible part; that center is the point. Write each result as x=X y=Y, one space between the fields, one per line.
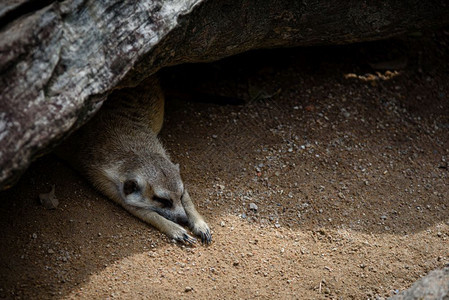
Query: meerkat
x=120 y=154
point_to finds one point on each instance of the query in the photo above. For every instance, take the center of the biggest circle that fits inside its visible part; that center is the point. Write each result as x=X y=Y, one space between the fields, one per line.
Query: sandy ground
x=329 y=181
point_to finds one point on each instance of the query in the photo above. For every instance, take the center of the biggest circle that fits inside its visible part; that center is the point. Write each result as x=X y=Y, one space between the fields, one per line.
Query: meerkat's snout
x=157 y=187
x=165 y=203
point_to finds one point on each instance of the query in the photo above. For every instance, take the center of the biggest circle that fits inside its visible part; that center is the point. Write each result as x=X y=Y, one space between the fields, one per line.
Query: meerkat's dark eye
x=130 y=186
x=166 y=203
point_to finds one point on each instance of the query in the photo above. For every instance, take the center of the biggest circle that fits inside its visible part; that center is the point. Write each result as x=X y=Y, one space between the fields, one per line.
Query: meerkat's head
x=151 y=182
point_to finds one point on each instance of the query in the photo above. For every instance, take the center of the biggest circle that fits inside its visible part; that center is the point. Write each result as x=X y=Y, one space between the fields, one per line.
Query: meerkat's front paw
x=180 y=234
x=201 y=229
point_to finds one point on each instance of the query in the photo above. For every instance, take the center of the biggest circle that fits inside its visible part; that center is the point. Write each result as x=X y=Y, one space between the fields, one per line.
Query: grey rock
x=431 y=287
x=253 y=206
x=59 y=60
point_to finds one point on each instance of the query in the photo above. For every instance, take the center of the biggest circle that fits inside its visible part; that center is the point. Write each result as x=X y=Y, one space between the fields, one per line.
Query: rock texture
x=59 y=60
x=434 y=286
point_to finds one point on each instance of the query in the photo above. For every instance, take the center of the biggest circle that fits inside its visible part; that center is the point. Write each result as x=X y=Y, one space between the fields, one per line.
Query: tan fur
x=119 y=148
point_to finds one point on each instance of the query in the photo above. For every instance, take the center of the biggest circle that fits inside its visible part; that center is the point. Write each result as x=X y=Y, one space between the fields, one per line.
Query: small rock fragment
x=188 y=289
x=48 y=200
x=309 y=108
x=253 y=206
x=346 y=114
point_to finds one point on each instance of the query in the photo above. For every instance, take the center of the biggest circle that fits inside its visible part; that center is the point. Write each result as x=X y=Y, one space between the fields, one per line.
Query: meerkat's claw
x=206 y=238
x=202 y=230
x=187 y=239
x=182 y=236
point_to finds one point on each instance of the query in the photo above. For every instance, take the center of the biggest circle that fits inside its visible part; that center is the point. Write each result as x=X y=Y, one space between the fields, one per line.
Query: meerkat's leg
x=171 y=229
x=196 y=221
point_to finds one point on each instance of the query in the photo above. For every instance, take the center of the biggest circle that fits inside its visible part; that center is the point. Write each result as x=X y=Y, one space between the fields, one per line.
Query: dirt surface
x=329 y=181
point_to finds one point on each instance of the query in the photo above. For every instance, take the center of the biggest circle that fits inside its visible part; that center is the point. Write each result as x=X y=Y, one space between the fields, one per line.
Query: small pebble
x=253 y=206
x=346 y=114
x=188 y=289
